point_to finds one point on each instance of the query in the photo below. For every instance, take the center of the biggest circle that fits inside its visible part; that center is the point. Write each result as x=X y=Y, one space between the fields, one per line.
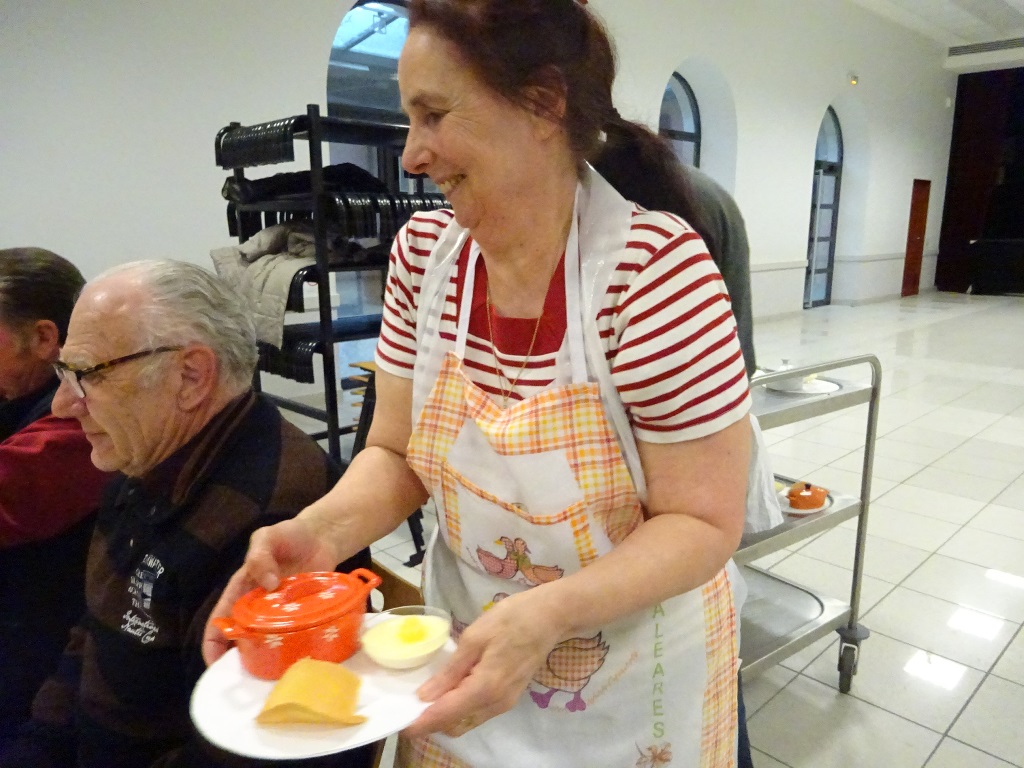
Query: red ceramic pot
x=310 y=614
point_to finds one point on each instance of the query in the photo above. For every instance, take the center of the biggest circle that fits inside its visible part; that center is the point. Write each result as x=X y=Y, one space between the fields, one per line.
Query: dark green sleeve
x=731 y=253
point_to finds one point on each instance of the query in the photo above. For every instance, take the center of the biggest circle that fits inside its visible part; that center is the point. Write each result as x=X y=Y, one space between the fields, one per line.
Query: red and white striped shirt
x=666 y=323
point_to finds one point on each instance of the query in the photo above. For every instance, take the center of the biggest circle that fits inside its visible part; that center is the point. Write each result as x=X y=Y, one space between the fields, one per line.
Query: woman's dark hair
x=36 y=284
x=643 y=168
x=526 y=50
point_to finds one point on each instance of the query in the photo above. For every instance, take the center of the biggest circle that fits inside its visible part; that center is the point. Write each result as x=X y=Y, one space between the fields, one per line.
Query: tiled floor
x=941 y=678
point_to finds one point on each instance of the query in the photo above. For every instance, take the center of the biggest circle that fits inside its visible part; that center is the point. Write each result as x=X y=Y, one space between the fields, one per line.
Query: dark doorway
x=982 y=241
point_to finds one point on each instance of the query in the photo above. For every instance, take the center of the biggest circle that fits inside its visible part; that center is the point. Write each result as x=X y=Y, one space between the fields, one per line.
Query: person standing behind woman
x=692 y=194
x=708 y=208
x=559 y=370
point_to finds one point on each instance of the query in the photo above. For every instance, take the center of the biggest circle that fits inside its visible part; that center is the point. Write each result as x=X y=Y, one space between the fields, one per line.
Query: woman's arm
x=376 y=494
x=696 y=496
x=694 y=518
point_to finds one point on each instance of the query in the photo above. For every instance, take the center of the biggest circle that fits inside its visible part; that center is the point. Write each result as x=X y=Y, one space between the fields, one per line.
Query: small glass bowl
x=380 y=641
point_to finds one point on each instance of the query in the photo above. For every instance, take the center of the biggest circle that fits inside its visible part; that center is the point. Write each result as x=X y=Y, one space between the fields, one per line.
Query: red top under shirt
x=666 y=324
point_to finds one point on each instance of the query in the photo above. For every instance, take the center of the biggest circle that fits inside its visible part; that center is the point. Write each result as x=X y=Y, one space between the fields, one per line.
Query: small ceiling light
x=853 y=78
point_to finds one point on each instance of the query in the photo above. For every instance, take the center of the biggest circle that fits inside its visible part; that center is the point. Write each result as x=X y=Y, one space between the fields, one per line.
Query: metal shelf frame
x=238 y=147
x=780 y=617
x=795 y=529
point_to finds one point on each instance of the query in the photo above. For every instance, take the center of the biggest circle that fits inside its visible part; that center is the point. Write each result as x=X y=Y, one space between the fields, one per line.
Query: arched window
x=362 y=82
x=680 y=120
x=363 y=70
x=821 y=241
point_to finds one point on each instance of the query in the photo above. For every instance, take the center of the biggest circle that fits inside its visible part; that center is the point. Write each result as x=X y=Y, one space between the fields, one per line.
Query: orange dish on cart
x=805 y=496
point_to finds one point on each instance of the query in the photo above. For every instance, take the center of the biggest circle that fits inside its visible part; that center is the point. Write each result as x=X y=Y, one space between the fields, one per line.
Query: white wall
x=109 y=110
x=783 y=62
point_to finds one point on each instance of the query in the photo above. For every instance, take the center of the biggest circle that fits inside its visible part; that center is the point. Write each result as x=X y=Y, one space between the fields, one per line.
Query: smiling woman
x=559 y=371
x=489 y=157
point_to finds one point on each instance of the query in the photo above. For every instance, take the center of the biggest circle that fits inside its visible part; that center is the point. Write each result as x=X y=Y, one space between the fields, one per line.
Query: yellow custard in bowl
x=405 y=637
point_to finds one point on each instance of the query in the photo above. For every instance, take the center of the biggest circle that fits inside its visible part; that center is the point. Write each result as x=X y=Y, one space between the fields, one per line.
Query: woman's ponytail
x=642 y=167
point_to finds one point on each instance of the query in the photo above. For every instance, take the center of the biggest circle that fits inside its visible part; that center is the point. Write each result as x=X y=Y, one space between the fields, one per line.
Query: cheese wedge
x=312 y=691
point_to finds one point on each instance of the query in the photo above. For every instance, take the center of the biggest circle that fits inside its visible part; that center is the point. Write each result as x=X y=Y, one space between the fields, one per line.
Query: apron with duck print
x=528 y=494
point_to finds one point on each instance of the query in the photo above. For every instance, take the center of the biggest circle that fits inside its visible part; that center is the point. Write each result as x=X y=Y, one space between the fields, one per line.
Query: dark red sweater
x=47 y=481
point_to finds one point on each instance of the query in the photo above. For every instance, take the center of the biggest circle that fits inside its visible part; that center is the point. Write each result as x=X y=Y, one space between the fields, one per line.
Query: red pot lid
x=304 y=600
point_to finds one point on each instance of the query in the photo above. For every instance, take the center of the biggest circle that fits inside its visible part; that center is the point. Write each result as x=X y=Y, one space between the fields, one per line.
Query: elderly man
x=49 y=490
x=157 y=368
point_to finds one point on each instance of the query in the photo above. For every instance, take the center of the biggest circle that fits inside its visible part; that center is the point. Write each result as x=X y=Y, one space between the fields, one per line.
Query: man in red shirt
x=49 y=488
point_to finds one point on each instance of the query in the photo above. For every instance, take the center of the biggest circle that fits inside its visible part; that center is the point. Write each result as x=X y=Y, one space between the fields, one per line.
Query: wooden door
x=915 y=237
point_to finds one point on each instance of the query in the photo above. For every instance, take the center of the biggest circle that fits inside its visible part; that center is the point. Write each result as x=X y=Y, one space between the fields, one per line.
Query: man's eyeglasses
x=73 y=376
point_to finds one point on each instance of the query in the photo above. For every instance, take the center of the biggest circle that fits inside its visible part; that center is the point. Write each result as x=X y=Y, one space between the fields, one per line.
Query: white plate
x=227 y=699
x=788 y=510
x=799 y=386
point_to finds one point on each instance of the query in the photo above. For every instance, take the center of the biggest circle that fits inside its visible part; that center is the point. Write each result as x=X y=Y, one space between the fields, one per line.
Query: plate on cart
x=788 y=510
x=227 y=699
x=803 y=386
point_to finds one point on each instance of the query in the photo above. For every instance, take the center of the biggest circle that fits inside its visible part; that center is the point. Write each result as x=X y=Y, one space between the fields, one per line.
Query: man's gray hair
x=188 y=304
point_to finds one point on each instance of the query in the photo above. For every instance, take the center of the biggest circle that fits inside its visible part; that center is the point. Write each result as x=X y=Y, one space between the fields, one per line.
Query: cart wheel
x=847 y=667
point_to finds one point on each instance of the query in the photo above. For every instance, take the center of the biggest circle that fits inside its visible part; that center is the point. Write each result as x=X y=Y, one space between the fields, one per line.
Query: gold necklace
x=494 y=352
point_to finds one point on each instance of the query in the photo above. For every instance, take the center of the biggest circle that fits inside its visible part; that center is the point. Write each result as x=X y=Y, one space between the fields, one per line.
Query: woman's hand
x=497 y=656
x=292 y=546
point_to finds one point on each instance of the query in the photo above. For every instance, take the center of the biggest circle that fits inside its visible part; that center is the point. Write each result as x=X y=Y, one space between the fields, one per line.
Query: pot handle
x=231 y=629
x=369 y=579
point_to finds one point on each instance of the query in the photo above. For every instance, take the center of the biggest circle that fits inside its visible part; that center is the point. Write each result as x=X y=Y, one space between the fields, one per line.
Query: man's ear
x=44 y=340
x=198 y=376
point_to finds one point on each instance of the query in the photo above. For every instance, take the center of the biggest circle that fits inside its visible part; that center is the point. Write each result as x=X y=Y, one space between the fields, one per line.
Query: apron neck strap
x=573 y=317
x=462 y=329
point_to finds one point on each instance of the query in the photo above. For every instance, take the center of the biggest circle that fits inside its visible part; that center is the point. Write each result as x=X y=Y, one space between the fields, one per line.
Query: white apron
x=539 y=490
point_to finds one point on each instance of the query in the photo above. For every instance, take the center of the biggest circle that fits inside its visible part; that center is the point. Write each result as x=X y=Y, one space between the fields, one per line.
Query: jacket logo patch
x=138 y=623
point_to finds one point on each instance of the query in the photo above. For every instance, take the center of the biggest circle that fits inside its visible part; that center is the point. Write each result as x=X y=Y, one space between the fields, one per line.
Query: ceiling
x=955 y=23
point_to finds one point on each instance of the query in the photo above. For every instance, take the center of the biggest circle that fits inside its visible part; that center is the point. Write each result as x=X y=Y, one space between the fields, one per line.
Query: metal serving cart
x=779 y=617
